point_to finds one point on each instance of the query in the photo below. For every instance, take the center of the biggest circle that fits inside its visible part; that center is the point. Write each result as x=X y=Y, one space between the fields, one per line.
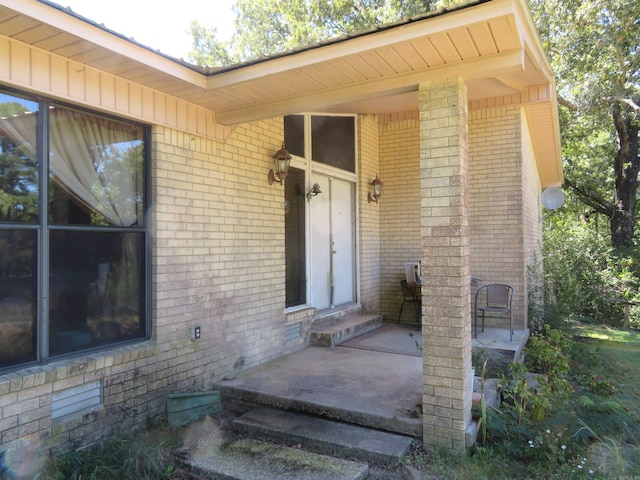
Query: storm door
x=332 y=243
x=324 y=150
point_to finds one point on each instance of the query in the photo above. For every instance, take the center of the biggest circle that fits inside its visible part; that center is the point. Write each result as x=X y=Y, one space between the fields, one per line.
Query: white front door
x=332 y=243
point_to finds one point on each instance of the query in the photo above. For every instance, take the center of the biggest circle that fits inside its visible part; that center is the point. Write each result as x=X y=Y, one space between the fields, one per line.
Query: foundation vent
x=75 y=399
x=293 y=331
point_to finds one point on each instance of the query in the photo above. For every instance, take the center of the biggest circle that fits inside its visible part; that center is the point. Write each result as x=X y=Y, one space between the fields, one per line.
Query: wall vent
x=75 y=399
x=293 y=331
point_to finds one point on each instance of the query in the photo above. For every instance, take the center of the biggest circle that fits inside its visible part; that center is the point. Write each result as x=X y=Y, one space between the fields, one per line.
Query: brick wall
x=370 y=214
x=400 y=232
x=497 y=192
x=218 y=245
x=532 y=220
x=446 y=330
x=219 y=248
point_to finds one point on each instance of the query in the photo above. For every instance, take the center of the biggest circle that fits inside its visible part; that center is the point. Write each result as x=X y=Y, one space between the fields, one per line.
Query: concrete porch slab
x=370 y=388
x=498 y=339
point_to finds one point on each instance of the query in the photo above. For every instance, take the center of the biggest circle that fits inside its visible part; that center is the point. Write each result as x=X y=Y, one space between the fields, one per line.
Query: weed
x=146 y=455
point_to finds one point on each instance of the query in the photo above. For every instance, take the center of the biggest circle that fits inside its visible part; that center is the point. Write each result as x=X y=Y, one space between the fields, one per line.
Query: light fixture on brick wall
x=281 y=158
x=376 y=190
x=315 y=190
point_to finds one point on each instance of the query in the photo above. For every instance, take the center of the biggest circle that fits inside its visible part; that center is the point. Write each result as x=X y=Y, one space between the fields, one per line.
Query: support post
x=446 y=322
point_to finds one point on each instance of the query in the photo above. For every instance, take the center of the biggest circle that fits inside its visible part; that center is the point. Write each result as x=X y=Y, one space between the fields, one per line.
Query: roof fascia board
x=85 y=30
x=503 y=63
x=367 y=42
x=532 y=41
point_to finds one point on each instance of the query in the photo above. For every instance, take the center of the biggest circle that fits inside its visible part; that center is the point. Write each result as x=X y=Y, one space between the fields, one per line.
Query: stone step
x=471 y=433
x=489 y=389
x=248 y=459
x=319 y=435
x=344 y=329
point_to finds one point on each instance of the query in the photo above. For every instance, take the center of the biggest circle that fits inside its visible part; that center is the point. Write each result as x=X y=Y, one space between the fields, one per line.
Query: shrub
x=548 y=353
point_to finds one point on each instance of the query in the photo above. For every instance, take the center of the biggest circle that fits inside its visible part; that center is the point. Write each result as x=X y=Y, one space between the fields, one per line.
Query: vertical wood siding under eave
x=26 y=67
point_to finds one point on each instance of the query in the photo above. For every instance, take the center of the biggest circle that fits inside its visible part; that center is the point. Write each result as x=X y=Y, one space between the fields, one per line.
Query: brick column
x=446 y=324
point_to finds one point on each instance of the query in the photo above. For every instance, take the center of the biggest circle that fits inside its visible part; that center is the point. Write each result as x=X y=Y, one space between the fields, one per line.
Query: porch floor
x=374 y=380
x=498 y=339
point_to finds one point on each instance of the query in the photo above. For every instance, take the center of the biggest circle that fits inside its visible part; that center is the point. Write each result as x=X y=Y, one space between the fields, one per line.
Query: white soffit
x=491 y=44
x=484 y=43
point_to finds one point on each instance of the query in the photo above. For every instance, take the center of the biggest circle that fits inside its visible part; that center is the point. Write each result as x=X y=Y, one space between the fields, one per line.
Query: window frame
x=43 y=228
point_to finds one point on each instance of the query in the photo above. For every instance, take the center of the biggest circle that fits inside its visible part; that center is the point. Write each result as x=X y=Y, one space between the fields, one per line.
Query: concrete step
x=239 y=401
x=370 y=389
x=489 y=389
x=344 y=329
x=471 y=434
x=324 y=436
x=248 y=459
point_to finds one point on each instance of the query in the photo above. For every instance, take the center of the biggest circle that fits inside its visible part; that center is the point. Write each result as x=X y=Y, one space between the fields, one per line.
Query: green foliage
x=600 y=386
x=584 y=274
x=593 y=49
x=546 y=353
x=116 y=458
x=268 y=27
x=554 y=426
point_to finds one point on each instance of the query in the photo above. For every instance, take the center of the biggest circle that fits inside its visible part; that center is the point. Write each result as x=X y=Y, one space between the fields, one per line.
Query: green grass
x=620 y=353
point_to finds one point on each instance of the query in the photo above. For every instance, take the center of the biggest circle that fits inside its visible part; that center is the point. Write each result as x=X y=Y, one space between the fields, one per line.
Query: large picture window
x=72 y=230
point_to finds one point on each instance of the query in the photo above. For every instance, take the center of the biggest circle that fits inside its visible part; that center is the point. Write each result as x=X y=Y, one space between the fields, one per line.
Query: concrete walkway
x=374 y=380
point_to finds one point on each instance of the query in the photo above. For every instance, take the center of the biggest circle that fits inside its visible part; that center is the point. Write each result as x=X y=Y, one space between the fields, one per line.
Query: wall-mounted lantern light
x=315 y=190
x=376 y=190
x=281 y=159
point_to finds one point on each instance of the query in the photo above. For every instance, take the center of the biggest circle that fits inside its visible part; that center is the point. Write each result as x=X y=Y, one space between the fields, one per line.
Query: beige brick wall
x=497 y=192
x=446 y=330
x=370 y=214
x=218 y=262
x=532 y=219
x=219 y=248
x=400 y=232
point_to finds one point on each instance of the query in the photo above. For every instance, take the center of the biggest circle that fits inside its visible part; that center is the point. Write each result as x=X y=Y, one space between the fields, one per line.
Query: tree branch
x=566 y=103
x=599 y=204
x=628 y=101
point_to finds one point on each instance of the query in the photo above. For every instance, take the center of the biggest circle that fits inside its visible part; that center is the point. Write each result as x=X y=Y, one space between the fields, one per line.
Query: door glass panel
x=18 y=160
x=333 y=141
x=294 y=224
x=294 y=134
x=96 y=289
x=17 y=296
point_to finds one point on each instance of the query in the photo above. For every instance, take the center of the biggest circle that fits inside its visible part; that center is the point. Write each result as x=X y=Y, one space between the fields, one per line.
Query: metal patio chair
x=495 y=298
x=411 y=294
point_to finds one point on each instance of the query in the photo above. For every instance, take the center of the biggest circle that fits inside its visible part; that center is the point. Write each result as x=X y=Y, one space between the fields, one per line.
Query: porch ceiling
x=491 y=44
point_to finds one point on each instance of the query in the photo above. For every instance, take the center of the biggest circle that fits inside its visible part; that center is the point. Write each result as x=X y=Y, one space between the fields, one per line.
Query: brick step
x=344 y=329
x=324 y=436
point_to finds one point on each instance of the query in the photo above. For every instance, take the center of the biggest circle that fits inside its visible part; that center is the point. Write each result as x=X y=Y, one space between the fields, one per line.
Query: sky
x=160 y=24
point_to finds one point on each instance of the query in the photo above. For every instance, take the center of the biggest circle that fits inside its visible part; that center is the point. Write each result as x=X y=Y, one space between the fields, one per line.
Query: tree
x=267 y=27
x=594 y=50
x=18 y=165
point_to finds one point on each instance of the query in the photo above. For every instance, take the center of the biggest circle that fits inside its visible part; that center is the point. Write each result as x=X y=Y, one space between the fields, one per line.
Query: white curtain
x=99 y=162
x=21 y=131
